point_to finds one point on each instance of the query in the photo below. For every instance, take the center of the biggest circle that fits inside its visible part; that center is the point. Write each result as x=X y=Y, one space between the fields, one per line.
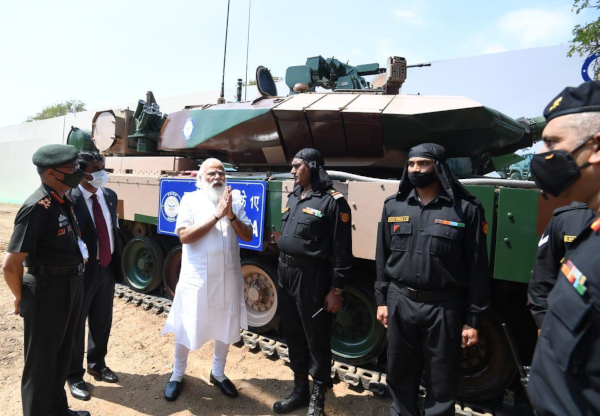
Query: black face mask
x=71 y=179
x=555 y=171
x=422 y=180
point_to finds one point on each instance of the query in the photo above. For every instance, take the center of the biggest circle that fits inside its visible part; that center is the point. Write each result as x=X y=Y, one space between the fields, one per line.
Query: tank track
x=354 y=376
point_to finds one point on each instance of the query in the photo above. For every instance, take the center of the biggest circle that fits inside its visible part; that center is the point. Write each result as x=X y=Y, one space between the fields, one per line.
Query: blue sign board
x=253 y=192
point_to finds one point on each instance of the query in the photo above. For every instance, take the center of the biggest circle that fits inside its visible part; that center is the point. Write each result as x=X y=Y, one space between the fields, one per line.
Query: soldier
x=50 y=294
x=565 y=374
x=315 y=257
x=433 y=283
x=562 y=229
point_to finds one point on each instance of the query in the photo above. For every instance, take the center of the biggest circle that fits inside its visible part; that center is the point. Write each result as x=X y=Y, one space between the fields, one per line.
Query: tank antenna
x=221 y=99
x=247 y=49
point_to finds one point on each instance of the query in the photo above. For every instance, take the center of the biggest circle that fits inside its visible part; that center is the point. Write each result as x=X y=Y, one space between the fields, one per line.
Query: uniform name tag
x=312 y=211
x=569 y=238
x=574 y=276
x=399 y=219
x=451 y=223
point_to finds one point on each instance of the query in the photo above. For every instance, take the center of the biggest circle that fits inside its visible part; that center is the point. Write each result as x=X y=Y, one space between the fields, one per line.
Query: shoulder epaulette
x=335 y=194
x=567 y=208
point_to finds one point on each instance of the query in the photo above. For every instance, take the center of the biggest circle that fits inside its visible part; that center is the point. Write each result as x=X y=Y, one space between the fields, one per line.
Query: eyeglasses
x=69 y=169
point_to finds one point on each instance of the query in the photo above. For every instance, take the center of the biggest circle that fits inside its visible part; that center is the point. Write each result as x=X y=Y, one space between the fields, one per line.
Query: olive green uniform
x=46 y=229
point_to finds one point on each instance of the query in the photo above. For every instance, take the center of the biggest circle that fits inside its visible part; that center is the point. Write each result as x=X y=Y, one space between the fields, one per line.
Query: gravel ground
x=142 y=359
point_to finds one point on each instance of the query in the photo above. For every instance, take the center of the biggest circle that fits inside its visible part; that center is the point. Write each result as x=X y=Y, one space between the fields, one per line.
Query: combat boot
x=317 y=401
x=300 y=397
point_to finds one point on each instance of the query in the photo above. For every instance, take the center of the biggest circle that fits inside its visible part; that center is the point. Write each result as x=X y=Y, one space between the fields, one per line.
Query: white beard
x=213 y=193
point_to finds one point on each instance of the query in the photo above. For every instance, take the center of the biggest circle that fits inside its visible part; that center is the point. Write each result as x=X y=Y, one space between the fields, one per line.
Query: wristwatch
x=233 y=219
x=337 y=290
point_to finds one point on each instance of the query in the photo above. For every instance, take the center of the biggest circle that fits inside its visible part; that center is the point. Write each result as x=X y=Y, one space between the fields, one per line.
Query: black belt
x=57 y=270
x=299 y=261
x=427 y=295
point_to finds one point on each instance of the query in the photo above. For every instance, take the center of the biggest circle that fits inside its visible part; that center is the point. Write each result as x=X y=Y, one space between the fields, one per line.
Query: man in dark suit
x=96 y=210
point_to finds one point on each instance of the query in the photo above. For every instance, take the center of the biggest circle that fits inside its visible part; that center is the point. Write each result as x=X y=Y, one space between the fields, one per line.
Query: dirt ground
x=142 y=359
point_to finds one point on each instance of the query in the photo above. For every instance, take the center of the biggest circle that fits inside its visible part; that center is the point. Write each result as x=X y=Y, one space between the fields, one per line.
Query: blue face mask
x=100 y=179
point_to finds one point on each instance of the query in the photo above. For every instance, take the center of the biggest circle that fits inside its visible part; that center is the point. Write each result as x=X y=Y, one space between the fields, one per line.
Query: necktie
x=102 y=232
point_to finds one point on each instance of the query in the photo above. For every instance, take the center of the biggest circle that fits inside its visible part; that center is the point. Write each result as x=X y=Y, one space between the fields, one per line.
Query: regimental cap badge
x=555 y=104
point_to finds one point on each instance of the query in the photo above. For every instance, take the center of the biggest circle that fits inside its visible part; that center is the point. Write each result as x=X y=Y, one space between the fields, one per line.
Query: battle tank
x=363 y=129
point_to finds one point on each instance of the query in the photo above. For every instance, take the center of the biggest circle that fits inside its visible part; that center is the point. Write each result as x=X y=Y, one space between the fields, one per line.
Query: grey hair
x=207 y=162
x=585 y=124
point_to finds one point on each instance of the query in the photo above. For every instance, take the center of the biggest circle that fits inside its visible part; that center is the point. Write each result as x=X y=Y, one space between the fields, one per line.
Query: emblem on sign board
x=170 y=206
x=188 y=128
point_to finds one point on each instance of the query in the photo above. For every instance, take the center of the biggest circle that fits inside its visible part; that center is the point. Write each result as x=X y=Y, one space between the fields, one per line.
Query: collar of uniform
x=443 y=195
x=47 y=189
x=87 y=194
x=309 y=194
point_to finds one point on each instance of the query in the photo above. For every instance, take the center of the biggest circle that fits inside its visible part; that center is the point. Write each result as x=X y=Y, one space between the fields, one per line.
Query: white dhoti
x=209 y=300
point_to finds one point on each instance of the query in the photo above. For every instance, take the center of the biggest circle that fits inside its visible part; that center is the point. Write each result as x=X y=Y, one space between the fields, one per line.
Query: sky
x=111 y=52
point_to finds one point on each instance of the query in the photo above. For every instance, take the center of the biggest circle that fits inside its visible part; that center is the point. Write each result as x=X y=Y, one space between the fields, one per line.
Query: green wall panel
x=273 y=207
x=516 y=238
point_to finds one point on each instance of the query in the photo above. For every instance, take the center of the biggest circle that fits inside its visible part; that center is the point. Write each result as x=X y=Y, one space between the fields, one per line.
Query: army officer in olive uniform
x=433 y=282
x=315 y=257
x=49 y=295
x=565 y=373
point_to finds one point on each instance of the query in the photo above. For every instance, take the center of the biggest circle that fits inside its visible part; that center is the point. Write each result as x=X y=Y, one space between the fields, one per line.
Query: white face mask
x=100 y=179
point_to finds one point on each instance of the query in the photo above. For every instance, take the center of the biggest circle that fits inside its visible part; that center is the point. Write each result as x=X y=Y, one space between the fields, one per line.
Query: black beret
x=53 y=155
x=583 y=99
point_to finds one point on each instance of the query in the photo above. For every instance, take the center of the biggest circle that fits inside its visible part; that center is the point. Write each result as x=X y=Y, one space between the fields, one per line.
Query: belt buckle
x=415 y=294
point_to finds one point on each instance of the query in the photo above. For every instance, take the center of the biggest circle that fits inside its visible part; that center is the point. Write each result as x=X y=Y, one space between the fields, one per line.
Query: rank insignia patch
x=61 y=231
x=596 y=225
x=313 y=211
x=335 y=194
x=344 y=216
x=399 y=219
x=44 y=202
x=569 y=238
x=574 y=276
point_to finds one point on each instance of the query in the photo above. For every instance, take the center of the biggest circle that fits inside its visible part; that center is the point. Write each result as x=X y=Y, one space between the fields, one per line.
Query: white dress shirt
x=105 y=211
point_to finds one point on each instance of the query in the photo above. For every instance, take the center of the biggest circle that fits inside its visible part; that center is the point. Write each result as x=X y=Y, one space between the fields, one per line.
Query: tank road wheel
x=142 y=264
x=260 y=294
x=357 y=335
x=171 y=269
x=488 y=367
x=516 y=176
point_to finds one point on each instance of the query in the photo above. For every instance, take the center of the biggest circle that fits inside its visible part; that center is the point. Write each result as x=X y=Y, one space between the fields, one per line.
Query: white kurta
x=209 y=300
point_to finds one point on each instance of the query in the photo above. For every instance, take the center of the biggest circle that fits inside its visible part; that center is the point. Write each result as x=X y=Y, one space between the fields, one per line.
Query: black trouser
x=50 y=307
x=301 y=292
x=99 y=291
x=423 y=335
